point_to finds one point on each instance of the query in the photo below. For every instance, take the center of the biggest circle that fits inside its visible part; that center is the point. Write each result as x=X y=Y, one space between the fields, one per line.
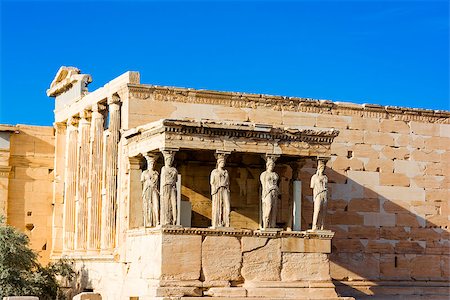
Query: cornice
x=281 y=103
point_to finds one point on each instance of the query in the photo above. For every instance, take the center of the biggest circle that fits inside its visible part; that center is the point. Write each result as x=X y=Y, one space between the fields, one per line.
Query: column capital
x=72 y=121
x=84 y=115
x=97 y=107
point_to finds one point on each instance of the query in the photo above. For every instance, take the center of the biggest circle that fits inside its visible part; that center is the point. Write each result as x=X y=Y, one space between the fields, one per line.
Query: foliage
x=20 y=272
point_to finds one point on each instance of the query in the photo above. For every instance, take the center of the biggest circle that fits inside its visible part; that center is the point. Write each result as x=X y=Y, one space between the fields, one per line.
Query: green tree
x=20 y=272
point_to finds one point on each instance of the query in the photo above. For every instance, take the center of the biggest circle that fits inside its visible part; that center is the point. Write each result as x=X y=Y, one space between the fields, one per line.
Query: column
x=82 y=182
x=296 y=217
x=95 y=178
x=70 y=184
x=109 y=210
x=58 y=188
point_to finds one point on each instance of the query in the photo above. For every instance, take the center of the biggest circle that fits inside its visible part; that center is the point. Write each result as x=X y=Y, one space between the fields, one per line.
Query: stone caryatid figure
x=319 y=184
x=220 y=194
x=270 y=191
x=150 y=192
x=168 y=190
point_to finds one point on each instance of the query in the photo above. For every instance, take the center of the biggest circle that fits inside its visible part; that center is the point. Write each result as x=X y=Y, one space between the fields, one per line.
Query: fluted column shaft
x=95 y=182
x=70 y=184
x=109 y=210
x=82 y=183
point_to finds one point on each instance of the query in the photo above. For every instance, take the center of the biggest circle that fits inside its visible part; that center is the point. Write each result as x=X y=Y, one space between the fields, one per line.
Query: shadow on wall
x=384 y=233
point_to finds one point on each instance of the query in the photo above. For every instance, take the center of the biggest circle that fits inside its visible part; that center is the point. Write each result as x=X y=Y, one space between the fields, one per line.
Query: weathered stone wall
x=389 y=185
x=30 y=185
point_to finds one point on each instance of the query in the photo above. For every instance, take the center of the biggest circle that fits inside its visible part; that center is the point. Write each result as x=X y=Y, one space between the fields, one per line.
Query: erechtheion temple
x=160 y=192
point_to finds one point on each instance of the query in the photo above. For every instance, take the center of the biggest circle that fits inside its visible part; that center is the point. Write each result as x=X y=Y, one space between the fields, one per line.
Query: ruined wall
x=389 y=184
x=30 y=185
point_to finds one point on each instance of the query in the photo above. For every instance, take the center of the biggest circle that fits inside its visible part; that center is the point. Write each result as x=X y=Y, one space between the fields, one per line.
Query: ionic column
x=70 y=184
x=110 y=206
x=82 y=182
x=95 y=178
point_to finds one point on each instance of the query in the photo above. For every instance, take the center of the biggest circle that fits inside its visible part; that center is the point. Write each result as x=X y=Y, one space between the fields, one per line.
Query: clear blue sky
x=383 y=52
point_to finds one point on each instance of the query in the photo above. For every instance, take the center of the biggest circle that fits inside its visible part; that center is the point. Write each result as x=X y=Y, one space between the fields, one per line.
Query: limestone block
x=428 y=182
x=379 y=165
x=87 y=296
x=305 y=266
x=379 y=247
x=346 y=191
x=230 y=113
x=296 y=119
x=252 y=243
x=302 y=245
x=437 y=195
x=407 y=219
x=178 y=291
x=346 y=218
x=232 y=292
x=439 y=168
x=394 y=179
x=395 y=267
x=379 y=219
x=263 y=264
x=410 y=247
x=426 y=234
x=21 y=298
x=348 y=245
x=332 y=121
x=181 y=257
x=389 y=125
x=364 y=205
x=421 y=128
x=394 y=233
x=344 y=163
x=363 y=232
x=264 y=116
x=402 y=140
x=444 y=130
x=360 y=123
x=393 y=193
x=364 y=177
x=350 y=136
x=378 y=138
x=221 y=258
x=355 y=266
x=426 y=155
x=437 y=143
x=365 y=150
x=392 y=153
x=426 y=267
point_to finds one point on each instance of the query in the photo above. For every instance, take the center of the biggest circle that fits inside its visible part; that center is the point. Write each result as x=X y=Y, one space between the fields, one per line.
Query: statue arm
x=313 y=178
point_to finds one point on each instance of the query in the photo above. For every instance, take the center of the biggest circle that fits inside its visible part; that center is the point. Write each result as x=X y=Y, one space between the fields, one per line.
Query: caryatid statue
x=220 y=194
x=270 y=191
x=319 y=184
x=168 y=190
x=150 y=192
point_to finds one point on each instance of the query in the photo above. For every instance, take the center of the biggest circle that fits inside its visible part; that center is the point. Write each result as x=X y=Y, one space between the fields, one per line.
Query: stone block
x=436 y=195
x=393 y=193
x=379 y=165
x=409 y=168
x=437 y=143
x=332 y=121
x=407 y=219
x=181 y=257
x=379 y=247
x=350 y=136
x=363 y=232
x=305 y=266
x=221 y=258
x=360 y=123
x=426 y=267
x=252 y=243
x=296 y=119
x=394 y=233
x=444 y=130
x=378 y=138
x=227 y=292
x=355 y=266
x=426 y=155
x=410 y=247
x=346 y=218
x=263 y=264
x=393 y=126
x=264 y=116
x=87 y=296
x=178 y=292
x=379 y=219
x=302 y=245
x=348 y=245
x=21 y=298
x=365 y=150
x=364 y=177
x=394 y=179
x=428 y=182
x=395 y=267
x=439 y=168
x=344 y=163
x=421 y=128
x=364 y=205
x=392 y=153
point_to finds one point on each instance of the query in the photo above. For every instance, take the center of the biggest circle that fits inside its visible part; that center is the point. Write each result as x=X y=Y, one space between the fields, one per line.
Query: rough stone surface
x=221 y=258
x=305 y=266
x=263 y=264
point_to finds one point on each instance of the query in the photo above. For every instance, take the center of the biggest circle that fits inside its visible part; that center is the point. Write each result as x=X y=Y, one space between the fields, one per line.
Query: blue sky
x=383 y=52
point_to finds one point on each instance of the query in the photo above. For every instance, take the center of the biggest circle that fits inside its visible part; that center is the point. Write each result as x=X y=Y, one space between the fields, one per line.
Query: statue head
x=168 y=158
x=150 y=161
x=221 y=158
x=270 y=162
x=320 y=167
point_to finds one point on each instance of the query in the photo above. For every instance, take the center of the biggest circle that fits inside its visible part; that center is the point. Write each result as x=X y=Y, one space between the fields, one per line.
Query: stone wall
x=29 y=202
x=389 y=185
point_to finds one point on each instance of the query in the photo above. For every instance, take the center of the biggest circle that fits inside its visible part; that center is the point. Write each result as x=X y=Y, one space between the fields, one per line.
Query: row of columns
x=90 y=182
